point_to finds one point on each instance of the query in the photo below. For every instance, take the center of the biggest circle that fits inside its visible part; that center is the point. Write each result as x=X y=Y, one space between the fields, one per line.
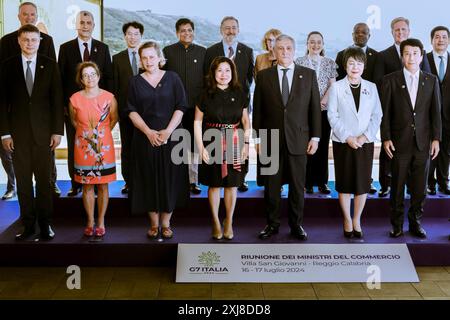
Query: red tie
x=86 y=52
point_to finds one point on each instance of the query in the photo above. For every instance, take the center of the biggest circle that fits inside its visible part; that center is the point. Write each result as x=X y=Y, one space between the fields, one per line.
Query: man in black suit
x=32 y=129
x=71 y=53
x=410 y=131
x=361 y=36
x=439 y=59
x=10 y=47
x=241 y=54
x=187 y=59
x=388 y=61
x=126 y=65
x=287 y=102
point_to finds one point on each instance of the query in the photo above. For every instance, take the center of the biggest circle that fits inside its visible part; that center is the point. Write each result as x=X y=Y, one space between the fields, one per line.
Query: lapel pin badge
x=301 y=77
x=160 y=85
x=42 y=67
x=239 y=51
x=403 y=87
x=370 y=53
x=232 y=99
x=195 y=60
x=95 y=49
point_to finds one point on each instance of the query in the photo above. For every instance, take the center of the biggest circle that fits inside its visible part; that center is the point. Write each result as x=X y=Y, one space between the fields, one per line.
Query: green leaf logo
x=209 y=259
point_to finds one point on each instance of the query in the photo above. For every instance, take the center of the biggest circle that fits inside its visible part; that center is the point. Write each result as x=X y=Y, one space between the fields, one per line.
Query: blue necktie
x=441 y=69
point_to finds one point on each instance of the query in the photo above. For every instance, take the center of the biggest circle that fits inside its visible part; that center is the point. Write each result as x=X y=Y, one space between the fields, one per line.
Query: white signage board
x=294 y=263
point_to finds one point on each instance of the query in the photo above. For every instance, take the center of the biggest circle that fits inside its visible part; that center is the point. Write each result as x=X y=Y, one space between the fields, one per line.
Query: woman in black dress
x=156 y=103
x=222 y=112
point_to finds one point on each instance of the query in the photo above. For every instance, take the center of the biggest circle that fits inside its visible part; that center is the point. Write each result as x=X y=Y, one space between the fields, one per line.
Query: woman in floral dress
x=93 y=112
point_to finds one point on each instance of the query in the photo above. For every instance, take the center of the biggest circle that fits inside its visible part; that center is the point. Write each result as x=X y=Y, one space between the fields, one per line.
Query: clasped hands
x=356 y=142
x=158 y=138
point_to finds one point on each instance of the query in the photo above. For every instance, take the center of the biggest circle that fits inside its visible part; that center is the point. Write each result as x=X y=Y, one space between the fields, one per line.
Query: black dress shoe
x=26 y=234
x=372 y=190
x=299 y=233
x=445 y=190
x=431 y=190
x=195 y=189
x=324 y=189
x=125 y=189
x=384 y=192
x=243 y=187
x=74 y=191
x=56 y=190
x=418 y=231
x=396 y=232
x=9 y=195
x=46 y=234
x=268 y=232
x=309 y=190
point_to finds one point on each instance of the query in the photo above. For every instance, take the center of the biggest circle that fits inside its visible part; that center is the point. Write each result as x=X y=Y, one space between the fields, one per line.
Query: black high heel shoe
x=358 y=234
x=348 y=234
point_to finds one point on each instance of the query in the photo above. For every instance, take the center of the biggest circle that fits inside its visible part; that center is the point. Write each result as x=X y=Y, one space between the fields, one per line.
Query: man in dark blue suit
x=9 y=47
x=31 y=128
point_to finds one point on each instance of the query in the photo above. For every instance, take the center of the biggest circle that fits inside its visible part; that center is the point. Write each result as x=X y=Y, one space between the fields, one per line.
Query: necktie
x=441 y=69
x=29 y=79
x=86 y=52
x=285 y=87
x=231 y=53
x=412 y=91
x=134 y=64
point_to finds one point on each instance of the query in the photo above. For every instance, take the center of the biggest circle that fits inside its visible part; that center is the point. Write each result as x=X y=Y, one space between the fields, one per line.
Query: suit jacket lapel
x=396 y=57
x=21 y=73
x=422 y=83
x=126 y=61
x=40 y=68
x=404 y=89
x=433 y=64
x=76 y=50
x=295 y=83
x=276 y=85
x=349 y=97
x=447 y=72
x=94 y=51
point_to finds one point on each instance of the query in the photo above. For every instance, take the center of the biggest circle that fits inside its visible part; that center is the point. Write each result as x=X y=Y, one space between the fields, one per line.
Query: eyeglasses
x=89 y=75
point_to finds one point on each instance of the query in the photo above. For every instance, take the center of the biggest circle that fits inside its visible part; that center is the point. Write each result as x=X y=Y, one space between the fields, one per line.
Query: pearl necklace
x=355 y=86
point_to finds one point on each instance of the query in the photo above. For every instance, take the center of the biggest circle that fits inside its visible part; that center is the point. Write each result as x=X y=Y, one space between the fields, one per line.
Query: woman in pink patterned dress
x=94 y=114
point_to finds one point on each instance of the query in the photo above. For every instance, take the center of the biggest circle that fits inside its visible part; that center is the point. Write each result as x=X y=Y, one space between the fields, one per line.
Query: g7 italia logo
x=209 y=262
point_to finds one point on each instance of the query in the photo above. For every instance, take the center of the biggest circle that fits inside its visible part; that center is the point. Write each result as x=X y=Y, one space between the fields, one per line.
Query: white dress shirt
x=412 y=82
x=81 y=46
x=289 y=75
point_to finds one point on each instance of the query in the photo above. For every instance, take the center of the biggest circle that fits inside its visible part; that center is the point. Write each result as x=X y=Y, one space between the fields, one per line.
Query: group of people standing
x=153 y=91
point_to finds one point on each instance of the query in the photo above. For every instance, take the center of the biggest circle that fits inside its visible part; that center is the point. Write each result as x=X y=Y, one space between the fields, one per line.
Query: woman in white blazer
x=354 y=113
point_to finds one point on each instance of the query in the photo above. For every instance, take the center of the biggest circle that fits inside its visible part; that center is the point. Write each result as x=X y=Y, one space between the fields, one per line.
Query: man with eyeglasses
x=9 y=47
x=241 y=54
x=126 y=64
x=187 y=59
x=31 y=127
x=83 y=48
